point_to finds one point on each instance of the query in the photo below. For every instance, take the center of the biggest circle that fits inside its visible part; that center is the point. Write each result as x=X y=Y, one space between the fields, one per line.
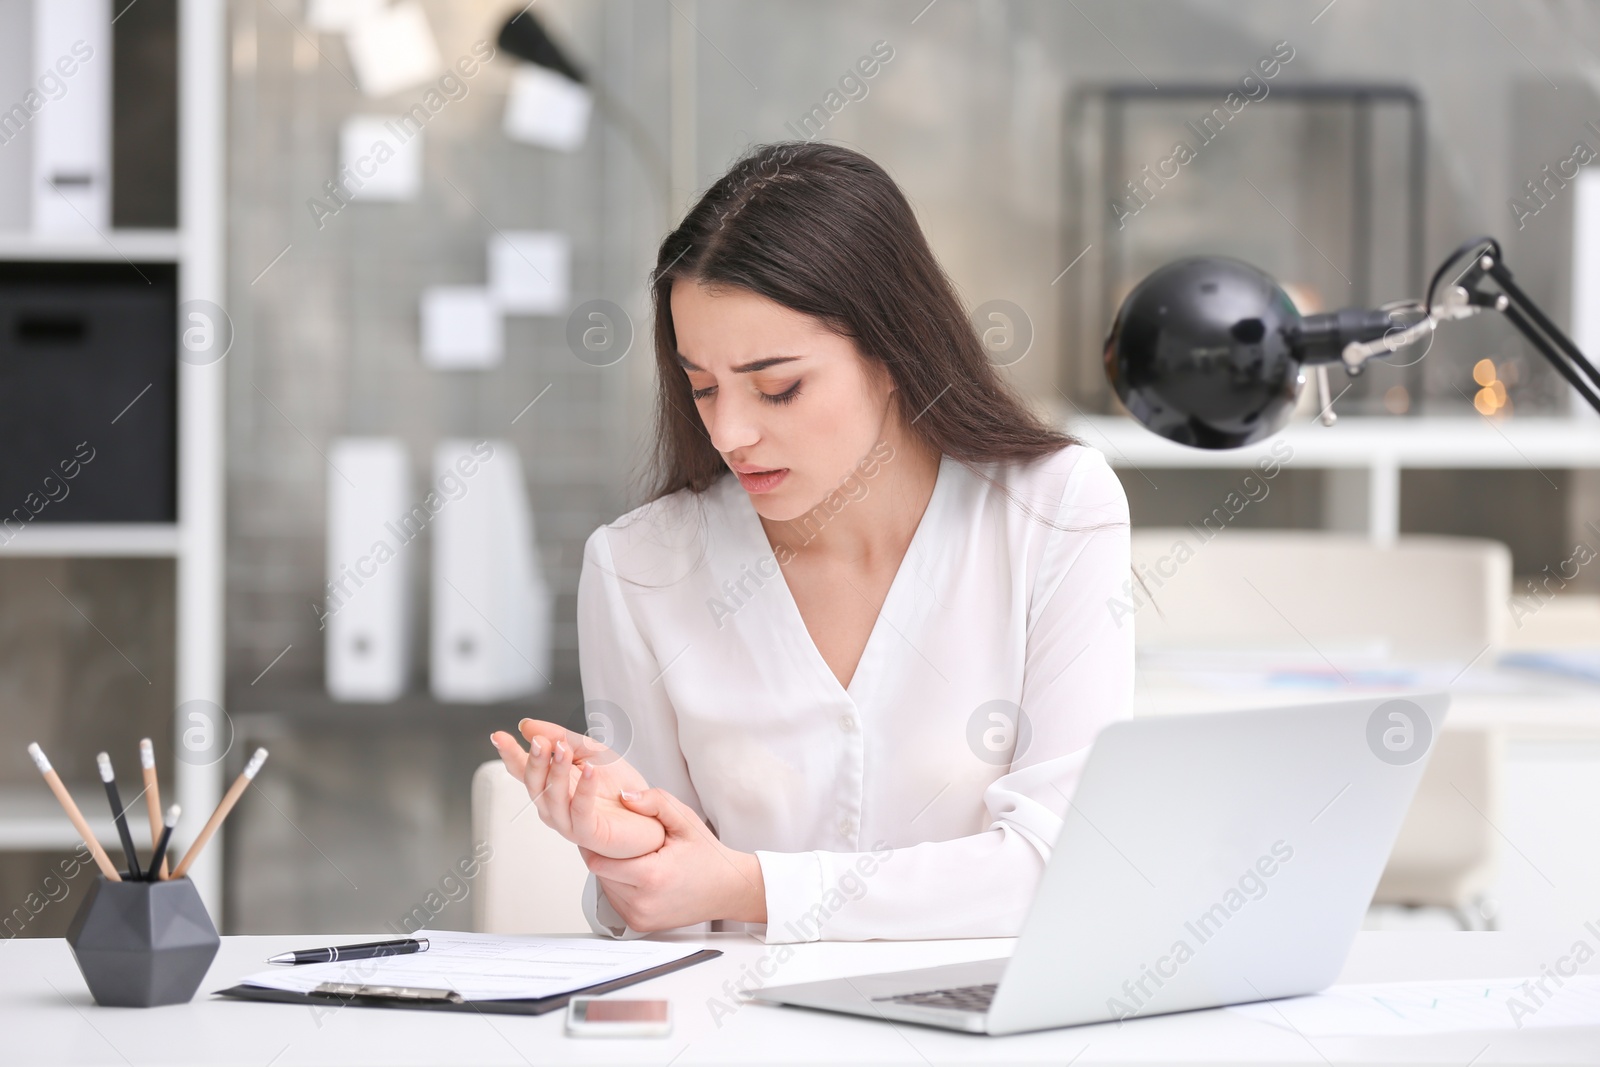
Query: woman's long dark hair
x=825 y=231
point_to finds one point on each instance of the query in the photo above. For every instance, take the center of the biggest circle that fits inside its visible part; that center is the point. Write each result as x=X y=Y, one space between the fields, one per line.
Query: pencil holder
x=140 y=944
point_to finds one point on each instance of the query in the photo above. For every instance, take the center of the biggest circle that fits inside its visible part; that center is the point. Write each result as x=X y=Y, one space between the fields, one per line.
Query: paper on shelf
x=1399 y=1008
x=488 y=966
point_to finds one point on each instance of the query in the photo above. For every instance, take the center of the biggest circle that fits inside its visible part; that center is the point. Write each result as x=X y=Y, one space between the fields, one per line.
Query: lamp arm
x=1464 y=298
x=1544 y=335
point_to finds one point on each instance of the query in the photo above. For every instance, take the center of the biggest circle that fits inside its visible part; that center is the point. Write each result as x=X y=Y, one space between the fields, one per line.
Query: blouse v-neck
x=916 y=549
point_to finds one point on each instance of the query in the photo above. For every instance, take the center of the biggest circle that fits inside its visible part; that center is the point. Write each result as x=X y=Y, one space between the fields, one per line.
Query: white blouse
x=910 y=804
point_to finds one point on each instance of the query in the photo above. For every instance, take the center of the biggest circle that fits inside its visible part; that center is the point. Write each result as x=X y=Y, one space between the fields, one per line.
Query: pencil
x=152 y=798
x=158 y=858
x=229 y=799
x=81 y=824
x=117 y=816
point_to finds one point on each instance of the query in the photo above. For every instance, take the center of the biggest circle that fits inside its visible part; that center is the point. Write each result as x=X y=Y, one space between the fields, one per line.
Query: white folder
x=72 y=132
x=490 y=638
x=373 y=520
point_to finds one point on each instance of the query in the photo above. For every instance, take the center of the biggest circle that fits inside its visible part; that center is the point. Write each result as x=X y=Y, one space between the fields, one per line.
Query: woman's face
x=778 y=391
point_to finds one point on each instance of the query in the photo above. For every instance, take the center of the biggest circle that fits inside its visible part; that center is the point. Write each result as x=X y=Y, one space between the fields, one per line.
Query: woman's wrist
x=749 y=889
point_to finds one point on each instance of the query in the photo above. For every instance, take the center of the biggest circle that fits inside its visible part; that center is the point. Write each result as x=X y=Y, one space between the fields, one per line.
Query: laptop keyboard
x=964 y=998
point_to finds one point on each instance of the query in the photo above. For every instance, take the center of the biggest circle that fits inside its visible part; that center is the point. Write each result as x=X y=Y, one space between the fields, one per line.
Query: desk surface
x=1523 y=705
x=47 y=1016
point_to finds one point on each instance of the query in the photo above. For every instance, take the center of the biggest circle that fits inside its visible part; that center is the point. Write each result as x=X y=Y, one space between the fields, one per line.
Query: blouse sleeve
x=1077 y=678
x=616 y=666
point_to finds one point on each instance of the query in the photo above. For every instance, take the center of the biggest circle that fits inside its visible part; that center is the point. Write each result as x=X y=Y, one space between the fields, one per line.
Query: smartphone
x=601 y=1017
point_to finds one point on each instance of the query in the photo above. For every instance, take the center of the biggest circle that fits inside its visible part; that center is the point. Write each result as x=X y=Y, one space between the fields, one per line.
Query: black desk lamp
x=1210 y=352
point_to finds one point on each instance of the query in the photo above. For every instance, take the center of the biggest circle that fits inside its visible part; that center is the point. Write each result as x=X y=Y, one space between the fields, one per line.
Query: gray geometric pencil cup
x=140 y=944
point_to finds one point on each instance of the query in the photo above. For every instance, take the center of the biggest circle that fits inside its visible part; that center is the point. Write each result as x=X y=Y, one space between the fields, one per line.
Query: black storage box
x=88 y=394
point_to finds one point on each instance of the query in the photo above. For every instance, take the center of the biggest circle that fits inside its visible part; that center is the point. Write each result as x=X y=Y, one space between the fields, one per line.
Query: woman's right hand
x=575 y=783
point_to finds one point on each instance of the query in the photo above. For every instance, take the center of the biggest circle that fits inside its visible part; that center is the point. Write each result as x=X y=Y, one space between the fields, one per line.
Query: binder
x=432 y=1000
x=371 y=524
x=491 y=606
x=72 y=130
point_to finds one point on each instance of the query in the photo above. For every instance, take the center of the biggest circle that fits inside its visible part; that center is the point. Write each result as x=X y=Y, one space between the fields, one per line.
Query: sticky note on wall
x=461 y=328
x=547 y=109
x=393 y=49
x=529 y=272
x=380 y=159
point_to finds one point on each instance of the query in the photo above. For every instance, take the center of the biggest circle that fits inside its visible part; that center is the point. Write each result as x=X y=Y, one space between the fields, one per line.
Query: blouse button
x=846 y=827
x=846 y=723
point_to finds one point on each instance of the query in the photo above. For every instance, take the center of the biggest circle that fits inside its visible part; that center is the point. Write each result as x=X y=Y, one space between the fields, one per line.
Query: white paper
x=393 y=49
x=488 y=966
x=335 y=16
x=1401 y=1008
x=461 y=328
x=546 y=108
x=529 y=270
x=380 y=158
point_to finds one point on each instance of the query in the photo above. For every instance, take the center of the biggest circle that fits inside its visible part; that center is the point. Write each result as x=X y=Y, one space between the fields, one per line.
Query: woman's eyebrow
x=743 y=368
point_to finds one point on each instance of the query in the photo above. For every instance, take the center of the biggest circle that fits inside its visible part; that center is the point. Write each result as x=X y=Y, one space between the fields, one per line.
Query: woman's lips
x=763 y=482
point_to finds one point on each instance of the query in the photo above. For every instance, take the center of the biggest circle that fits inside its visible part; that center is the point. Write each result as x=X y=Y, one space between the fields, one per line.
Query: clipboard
x=440 y=999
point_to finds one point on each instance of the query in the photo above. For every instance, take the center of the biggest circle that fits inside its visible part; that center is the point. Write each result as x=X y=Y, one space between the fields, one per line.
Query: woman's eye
x=784 y=397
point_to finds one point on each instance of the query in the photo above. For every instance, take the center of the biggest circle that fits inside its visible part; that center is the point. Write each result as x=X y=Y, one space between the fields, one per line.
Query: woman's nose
x=731 y=424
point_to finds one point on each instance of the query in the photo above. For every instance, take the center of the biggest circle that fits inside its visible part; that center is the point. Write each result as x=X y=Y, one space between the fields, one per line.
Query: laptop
x=1204 y=860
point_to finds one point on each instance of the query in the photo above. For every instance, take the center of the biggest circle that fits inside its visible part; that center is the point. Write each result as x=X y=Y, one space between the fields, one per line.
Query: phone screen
x=622 y=1011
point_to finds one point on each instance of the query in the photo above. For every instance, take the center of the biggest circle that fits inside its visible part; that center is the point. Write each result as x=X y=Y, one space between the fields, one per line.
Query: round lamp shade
x=1200 y=353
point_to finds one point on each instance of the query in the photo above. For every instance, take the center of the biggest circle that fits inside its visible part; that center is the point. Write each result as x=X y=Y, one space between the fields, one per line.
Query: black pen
x=160 y=852
x=352 y=952
x=116 y=813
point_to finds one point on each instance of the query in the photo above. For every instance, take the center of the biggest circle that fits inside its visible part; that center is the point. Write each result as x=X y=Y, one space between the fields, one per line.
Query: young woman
x=852 y=653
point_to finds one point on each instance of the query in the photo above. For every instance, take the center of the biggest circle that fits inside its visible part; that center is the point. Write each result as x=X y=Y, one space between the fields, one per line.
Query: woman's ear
x=878 y=374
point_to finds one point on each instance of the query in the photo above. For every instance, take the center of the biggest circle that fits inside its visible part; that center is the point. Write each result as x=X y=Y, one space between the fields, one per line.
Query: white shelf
x=31 y=818
x=1356 y=441
x=1363 y=456
x=116 y=246
x=94 y=539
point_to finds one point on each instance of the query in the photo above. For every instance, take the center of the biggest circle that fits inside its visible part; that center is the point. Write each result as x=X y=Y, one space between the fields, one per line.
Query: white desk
x=48 y=1017
x=1533 y=706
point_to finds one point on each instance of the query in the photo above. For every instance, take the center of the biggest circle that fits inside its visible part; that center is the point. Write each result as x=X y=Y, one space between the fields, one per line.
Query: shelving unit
x=1364 y=455
x=109 y=539
x=33 y=819
x=30 y=817
x=137 y=246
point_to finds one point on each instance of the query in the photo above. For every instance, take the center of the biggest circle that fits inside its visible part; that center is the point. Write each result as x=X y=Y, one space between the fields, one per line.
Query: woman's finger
x=585 y=749
x=540 y=784
x=512 y=754
x=623 y=872
x=583 y=812
x=548 y=731
x=676 y=817
x=555 y=796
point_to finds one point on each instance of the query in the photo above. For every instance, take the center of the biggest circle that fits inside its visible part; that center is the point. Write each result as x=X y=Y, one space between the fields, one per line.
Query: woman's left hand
x=693 y=877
